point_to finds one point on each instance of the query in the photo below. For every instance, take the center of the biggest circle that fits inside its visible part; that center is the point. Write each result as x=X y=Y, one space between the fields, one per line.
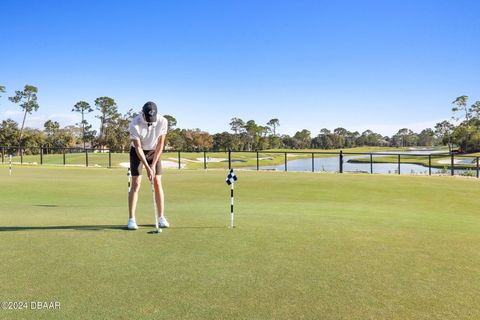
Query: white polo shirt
x=148 y=135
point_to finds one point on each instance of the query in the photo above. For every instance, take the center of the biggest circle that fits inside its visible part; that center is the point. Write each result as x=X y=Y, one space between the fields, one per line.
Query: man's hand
x=154 y=169
x=150 y=173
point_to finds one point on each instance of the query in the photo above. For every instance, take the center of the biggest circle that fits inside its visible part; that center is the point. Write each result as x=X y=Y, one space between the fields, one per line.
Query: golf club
x=157 y=229
x=129 y=175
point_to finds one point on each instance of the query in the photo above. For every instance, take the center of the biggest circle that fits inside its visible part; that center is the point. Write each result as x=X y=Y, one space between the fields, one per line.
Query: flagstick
x=231 y=205
x=10 y=163
x=231 y=178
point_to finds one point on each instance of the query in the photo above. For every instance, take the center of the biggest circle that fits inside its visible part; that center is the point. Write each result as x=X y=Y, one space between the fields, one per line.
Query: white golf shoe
x=163 y=223
x=132 y=224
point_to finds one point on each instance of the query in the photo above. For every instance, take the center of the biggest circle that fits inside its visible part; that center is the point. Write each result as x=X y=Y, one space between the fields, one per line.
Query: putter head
x=156 y=231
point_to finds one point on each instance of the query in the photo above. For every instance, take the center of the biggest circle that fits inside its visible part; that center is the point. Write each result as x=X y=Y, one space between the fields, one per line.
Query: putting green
x=307 y=245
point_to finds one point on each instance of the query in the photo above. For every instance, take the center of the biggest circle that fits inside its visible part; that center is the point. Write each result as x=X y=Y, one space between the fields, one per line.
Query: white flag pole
x=231 y=178
x=231 y=205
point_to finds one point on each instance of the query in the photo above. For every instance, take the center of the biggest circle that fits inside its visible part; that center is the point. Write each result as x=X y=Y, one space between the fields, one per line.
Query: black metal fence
x=402 y=159
x=446 y=163
x=26 y=155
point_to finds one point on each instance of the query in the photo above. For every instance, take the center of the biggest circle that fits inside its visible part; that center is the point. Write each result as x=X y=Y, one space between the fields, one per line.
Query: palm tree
x=475 y=109
x=461 y=105
x=274 y=123
x=172 y=122
x=27 y=99
x=236 y=124
x=108 y=110
x=82 y=107
x=251 y=129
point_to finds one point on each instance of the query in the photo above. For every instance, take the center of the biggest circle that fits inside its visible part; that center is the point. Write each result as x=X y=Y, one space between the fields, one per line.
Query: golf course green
x=306 y=246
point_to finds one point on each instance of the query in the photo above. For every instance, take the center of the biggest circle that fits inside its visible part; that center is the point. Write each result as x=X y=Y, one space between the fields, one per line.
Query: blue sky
x=381 y=65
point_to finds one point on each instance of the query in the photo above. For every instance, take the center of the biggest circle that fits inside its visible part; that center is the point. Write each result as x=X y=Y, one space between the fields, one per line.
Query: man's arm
x=141 y=156
x=158 y=150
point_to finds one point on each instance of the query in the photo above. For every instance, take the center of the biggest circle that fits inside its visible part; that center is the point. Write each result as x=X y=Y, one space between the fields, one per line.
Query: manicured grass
x=307 y=245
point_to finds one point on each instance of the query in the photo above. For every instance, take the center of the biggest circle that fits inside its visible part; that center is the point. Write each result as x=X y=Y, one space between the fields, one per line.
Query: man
x=147 y=132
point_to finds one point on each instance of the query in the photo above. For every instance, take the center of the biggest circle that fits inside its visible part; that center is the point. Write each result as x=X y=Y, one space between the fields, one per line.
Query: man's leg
x=159 y=199
x=133 y=196
x=159 y=196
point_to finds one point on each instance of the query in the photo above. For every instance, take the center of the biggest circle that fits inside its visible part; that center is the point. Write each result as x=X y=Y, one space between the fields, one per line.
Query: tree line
x=244 y=135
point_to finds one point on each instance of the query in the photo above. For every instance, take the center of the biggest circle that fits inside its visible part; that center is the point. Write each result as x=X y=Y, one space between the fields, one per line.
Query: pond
x=332 y=164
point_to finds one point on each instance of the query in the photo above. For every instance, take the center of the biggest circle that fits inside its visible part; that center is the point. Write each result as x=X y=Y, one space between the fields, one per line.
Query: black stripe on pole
x=340 y=159
x=398 y=164
x=429 y=164
x=371 y=164
x=231 y=203
x=452 y=170
x=477 y=168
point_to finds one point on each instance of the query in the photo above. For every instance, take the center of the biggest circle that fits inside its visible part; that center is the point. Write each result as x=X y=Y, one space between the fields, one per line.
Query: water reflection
x=332 y=164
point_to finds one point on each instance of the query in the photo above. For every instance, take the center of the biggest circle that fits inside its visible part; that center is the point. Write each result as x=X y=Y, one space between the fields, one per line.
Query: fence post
x=64 y=162
x=398 y=164
x=109 y=158
x=313 y=162
x=41 y=155
x=340 y=158
x=204 y=159
x=429 y=164
x=452 y=170
x=477 y=168
x=86 y=157
x=286 y=168
x=179 y=163
x=371 y=164
x=229 y=158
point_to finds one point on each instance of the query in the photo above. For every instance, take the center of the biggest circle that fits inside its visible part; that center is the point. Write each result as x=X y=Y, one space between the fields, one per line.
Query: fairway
x=306 y=246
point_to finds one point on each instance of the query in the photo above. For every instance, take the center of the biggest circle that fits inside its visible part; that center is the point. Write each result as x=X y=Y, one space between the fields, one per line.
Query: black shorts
x=136 y=165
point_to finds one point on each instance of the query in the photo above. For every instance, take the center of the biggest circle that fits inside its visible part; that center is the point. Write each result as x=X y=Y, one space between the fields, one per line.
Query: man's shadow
x=78 y=227
x=101 y=227
x=90 y=227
